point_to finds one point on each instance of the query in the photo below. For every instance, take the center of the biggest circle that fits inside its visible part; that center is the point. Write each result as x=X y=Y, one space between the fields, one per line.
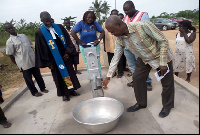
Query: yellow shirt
x=109 y=40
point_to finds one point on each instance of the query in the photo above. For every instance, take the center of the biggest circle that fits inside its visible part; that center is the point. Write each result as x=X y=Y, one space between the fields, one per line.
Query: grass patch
x=10 y=75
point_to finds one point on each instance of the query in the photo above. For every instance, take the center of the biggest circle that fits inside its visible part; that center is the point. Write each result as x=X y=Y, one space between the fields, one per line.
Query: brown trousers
x=140 y=87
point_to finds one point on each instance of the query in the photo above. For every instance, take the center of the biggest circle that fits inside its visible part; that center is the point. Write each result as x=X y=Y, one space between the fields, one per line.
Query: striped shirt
x=144 y=40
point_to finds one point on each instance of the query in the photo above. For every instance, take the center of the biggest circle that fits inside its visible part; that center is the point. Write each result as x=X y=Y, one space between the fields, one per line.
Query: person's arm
x=74 y=35
x=70 y=49
x=113 y=65
x=12 y=59
x=78 y=28
x=43 y=56
x=189 y=39
x=162 y=41
x=104 y=43
x=10 y=51
x=100 y=37
x=99 y=29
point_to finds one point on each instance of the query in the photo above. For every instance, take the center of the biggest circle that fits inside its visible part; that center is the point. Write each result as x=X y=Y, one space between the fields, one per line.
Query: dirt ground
x=170 y=34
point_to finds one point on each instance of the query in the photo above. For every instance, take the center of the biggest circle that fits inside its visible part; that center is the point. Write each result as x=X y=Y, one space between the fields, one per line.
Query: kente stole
x=55 y=52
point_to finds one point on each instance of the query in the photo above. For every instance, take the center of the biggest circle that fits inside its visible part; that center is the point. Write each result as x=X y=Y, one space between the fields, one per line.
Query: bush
x=21 y=27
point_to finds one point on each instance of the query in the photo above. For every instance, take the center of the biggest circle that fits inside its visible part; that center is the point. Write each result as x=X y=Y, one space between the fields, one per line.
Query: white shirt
x=20 y=47
x=52 y=32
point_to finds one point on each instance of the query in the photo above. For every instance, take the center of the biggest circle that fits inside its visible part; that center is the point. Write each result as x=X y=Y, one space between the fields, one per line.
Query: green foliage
x=21 y=27
x=9 y=73
x=28 y=29
x=189 y=14
x=101 y=9
x=72 y=21
x=3 y=35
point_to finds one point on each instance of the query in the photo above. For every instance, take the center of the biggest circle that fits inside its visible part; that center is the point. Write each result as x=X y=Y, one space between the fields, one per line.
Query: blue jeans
x=131 y=60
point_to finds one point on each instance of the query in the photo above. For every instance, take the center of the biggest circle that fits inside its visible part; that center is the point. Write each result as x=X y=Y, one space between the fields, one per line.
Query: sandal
x=129 y=74
x=126 y=69
x=5 y=124
x=187 y=80
x=77 y=72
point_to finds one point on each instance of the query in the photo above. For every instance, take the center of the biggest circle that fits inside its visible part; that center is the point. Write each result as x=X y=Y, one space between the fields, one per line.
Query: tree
x=106 y=8
x=100 y=8
x=73 y=22
x=153 y=17
x=164 y=15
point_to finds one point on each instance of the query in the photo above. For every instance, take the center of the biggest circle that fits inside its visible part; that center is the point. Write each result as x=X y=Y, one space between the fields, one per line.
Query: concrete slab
x=50 y=115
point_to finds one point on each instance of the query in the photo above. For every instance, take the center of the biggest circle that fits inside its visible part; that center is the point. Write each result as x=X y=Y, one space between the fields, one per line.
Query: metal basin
x=98 y=115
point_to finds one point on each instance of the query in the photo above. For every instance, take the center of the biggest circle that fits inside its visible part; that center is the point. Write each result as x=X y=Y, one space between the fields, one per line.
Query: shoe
x=135 y=108
x=114 y=74
x=149 y=87
x=129 y=74
x=38 y=94
x=126 y=69
x=74 y=93
x=45 y=91
x=119 y=75
x=130 y=84
x=5 y=124
x=164 y=112
x=66 y=98
x=77 y=72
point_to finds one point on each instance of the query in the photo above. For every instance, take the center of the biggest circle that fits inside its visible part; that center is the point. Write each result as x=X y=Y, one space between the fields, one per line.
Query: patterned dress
x=184 y=59
x=73 y=40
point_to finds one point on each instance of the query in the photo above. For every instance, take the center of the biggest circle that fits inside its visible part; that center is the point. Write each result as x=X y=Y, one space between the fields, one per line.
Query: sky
x=30 y=9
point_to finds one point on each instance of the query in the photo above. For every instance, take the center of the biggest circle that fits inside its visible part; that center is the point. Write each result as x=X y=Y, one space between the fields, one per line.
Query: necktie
x=53 y=32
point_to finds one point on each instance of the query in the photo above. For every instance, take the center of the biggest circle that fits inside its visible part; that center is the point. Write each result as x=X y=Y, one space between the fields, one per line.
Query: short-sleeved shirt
x=20 y=47
x=87 y=31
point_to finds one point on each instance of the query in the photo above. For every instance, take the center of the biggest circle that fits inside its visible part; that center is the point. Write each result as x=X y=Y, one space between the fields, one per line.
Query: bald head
x=44 y=15
x=116 y=26
x=113 y=20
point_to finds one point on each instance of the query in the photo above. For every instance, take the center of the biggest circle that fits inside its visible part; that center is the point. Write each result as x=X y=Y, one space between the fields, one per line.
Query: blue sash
x=54 y=50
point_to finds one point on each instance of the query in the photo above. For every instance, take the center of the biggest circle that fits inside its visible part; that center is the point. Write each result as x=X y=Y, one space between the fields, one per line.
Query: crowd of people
x=129 y=38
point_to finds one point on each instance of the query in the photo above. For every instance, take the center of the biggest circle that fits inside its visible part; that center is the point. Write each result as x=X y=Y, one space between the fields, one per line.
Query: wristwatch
x=99 y=40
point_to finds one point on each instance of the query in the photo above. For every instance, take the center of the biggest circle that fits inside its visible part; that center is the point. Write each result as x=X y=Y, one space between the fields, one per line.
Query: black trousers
x=27 y=74
x=140 y=86
x=2 y=116
x=121 y=65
